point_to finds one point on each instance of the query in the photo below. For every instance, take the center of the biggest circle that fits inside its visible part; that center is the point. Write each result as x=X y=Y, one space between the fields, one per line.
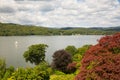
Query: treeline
x=21 y=30
x=9 y=29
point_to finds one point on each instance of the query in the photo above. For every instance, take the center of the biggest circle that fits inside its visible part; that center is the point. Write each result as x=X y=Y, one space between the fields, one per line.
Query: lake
x=13 y=47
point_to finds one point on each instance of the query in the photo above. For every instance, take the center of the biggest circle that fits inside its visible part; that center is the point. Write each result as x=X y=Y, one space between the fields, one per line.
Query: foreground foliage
x=62 y=77
x=39 y=72
x=102 y=61
x=2 y=68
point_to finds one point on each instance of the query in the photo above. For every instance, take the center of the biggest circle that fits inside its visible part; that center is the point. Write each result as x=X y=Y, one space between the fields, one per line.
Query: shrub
x=8 y=72
x=102 y=61
x=77 y=57
x=61 y=59
x=39 y=72
x=83 y=49
x=62 y=77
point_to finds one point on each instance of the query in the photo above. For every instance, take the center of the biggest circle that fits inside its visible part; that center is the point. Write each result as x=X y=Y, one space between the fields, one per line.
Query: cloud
x=6 y=9
x=61 y=13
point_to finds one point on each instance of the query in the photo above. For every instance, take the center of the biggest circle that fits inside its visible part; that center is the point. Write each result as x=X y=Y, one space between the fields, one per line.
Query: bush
x=77 y=57
x=62 y=77
x=56 y=72
x=102 y=61
x=39 y=72
x=83 y=49
x=61 y=59
x=8 y=72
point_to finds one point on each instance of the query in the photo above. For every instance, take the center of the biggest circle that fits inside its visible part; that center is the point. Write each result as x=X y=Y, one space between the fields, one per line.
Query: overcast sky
x=61 y=13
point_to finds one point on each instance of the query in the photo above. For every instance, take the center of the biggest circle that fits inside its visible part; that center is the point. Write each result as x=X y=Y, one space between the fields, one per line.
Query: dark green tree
x=35 y=53
x=71 y=49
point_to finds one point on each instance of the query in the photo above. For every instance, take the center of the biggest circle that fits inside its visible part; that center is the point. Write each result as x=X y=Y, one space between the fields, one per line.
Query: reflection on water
x=16 y=44
x=13 y=47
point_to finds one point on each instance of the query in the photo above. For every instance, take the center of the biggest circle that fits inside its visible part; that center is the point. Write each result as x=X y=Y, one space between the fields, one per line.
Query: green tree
x=71 y=49
x=35 y=53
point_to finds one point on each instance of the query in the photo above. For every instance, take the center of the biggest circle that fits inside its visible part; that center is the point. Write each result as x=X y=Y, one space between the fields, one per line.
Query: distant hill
x=114 y=28
x=95 y=28
x=108 y=29
x=10 y=29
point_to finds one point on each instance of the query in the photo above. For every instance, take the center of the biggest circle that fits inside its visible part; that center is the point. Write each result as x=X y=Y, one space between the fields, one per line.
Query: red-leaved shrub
x=102 y=61
x=71 y=67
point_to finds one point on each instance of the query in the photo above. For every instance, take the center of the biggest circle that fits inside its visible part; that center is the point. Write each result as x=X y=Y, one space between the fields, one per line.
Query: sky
x=61 y=13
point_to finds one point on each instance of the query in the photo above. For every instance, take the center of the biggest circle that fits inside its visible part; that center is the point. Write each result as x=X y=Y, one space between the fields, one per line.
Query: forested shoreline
x=9 y=29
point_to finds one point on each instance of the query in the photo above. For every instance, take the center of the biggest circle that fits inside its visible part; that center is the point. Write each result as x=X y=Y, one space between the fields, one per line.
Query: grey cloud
x=7 y=9
x=46 y=8
x=24 y=9
x=25 y=21
x=117 y=18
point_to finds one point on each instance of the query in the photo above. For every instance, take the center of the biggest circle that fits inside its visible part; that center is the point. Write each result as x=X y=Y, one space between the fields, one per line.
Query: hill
x=10 y=29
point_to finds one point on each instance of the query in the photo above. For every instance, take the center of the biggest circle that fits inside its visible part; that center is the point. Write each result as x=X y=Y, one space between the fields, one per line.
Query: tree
x=61 y=59
x=35 y=53
x=71 y=49
x=102 y=61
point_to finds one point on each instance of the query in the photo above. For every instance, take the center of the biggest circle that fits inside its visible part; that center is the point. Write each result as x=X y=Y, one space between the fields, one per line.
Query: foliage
x=83 y=49
x=62 y=77
x=39 y=72
x=8 y=73
x=71 y=68
x=71 y=49
x=56 y=72
x=77 y=57
x=2 y=68
x=102 y=61
x=61 y=59
x=36 y=53
x=44 y=68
